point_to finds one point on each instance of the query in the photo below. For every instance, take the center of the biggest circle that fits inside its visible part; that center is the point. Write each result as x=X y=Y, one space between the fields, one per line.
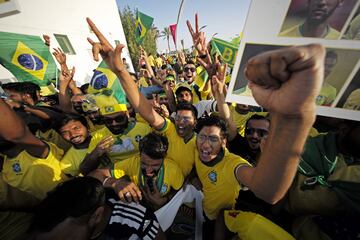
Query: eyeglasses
x=261 y=132
x=186 y=119
x=191 y=69
x=118 y=119
x=213 y=140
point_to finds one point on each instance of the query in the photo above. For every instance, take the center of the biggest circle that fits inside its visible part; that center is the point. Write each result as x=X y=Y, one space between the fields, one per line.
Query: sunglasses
x=191 y=69
x=261 y=132
x=186 y=119
x=118 y=119
x=213 y=140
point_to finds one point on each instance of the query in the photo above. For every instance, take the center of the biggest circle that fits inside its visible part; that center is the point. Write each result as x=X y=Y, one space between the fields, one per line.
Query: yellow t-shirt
x=71 y=161
x=173 y=178
x=220 y=186
x=295 y=32
x=143 y=82
x=180 y=152
x=158 y=62
x=151 y=60
x=126 y=145
x=251 y=226
x=34 y=175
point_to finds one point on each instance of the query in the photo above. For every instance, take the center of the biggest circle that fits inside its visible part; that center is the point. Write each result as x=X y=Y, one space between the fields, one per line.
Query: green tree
x=165 y=34
x=128 y=19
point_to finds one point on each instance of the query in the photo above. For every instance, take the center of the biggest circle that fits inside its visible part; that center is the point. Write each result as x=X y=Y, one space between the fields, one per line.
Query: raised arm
x=218 y=88
x=112 y=57
x=286 y=82
x=13 y=129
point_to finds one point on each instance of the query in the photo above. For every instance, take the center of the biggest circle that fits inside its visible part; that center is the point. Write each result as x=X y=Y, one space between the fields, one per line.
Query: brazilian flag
x=27 y=58
x=143 y=24
x=106 y=82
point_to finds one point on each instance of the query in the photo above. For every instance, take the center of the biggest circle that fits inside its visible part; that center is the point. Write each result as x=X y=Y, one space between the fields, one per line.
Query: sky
x=225 y=18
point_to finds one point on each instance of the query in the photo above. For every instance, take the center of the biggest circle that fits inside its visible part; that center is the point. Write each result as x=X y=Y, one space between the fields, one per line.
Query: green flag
x=227 y=50
x=143 y=24
x=27 y=58
x=106 y=82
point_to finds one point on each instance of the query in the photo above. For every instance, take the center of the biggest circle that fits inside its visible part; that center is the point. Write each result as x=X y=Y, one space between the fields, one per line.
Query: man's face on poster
x=321 y=10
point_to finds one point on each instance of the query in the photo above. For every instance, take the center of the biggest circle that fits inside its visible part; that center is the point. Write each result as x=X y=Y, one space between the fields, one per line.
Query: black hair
x=256 y=117
x=187 y=106
x=190 y=62
x=74 y=198
x=70 y=117
x=23 y=88
x=84 y=88
x=182 y=88
x=154 y=145
x=210 y=121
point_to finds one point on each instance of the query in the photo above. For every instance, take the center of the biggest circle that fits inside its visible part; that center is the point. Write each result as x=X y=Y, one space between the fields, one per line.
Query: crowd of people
x=88 y=167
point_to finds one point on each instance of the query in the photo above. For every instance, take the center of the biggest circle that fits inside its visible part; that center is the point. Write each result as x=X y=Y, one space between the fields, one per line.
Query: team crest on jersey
x=164 y=188
x=212 y=176
x=138 y=138
x=16 y=167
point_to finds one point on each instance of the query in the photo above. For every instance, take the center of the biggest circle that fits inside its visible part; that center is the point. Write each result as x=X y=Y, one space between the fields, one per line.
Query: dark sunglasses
x=118 y=119
x=191 y=69
x=261 y=132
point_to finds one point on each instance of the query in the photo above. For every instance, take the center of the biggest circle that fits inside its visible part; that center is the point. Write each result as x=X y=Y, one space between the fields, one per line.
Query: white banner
x=272 y=24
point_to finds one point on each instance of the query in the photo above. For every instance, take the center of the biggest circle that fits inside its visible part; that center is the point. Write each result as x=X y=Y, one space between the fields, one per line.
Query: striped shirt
x=130 y=221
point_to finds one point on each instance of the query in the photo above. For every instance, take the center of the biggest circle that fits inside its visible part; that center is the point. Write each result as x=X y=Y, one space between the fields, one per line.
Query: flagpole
x=177 y=21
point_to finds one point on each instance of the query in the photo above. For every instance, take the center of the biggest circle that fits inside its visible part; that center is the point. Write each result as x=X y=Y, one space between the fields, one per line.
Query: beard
x=118 y=129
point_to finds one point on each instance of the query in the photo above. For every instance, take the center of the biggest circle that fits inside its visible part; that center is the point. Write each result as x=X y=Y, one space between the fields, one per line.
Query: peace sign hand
x=111 y=56
x=198 y=38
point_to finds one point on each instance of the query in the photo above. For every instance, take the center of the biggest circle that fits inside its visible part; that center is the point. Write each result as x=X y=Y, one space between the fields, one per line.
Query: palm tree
x=165 y=34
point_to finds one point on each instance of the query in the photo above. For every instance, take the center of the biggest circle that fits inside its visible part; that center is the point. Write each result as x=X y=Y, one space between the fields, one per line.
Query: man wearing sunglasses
x=117 y=141
x=248 y=147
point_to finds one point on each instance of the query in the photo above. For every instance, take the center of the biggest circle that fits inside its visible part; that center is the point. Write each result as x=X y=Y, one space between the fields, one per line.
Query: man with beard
x=117 y=141
x=248 y=147
x=316 y=23
x=73 y=128
x=149 y=175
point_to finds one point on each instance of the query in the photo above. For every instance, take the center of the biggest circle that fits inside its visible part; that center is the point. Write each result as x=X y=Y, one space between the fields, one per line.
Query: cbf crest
x=213 y=177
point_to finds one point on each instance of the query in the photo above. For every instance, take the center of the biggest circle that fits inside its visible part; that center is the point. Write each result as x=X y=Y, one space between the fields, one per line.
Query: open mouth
x=76 y=140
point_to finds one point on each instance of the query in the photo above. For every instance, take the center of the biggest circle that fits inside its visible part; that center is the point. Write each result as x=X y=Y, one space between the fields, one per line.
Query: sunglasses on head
x=259 y=131
x=118 y=119
x=191 y=69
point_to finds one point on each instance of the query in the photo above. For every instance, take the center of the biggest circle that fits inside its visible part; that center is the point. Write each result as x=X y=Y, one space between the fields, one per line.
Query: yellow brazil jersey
x=182 y=153
x=295 y=32
x=71 y=161
x=250 y=225
x=173 y=178
x=151 y=60
x=34 y=175
x=125 y=145
x=143 y=82
x=220 y=186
